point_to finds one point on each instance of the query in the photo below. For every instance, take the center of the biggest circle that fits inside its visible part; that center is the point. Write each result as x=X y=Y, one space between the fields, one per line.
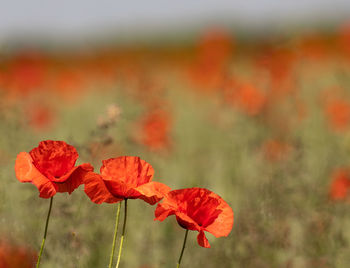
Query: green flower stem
x=123 y=232
x=182 y=250
x=115 y=235
x=46 y=225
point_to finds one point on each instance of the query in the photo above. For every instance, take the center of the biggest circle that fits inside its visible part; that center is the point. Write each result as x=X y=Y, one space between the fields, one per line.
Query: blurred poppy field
x=263 y=121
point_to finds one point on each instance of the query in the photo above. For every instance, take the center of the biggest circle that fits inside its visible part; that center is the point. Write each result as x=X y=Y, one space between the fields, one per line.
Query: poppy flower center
x=54 y=158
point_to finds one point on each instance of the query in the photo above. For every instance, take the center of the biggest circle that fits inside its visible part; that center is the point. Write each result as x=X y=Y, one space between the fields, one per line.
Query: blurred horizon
x=89 y=21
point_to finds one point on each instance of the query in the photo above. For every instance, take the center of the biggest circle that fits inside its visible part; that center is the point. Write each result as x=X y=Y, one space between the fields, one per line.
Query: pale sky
x=67 y=18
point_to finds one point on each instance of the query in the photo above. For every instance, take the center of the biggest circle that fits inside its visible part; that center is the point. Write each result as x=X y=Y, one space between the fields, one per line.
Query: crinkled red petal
x=202 y=240
x=121 y=189
x=96 y=189
x=197 y=204
x=162 y=212
x=152 y=192
x=130 y=170
x=74 y=178
x=169 y=207
x=186 y=222
x=54 y=159
x=27 y=172
x=223 y=224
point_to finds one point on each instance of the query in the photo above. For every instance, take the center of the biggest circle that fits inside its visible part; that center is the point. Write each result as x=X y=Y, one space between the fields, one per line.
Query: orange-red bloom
x=40 y=116
x=13 y=256
x=197 y=209
x=340 y=187
x=51 y=168
x=338 y=113
x=156 y=126
x=125 y=177
x=247 y=97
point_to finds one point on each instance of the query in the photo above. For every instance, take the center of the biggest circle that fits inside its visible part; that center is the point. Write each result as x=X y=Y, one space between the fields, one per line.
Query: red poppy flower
x=247 y=97
x=197 y=209
x=156 y=126
x=338 y=113
x=340 y=186
x=50 y=167
x=40 y=116
x=125 y=177
x=13 y=256
x=27 y=72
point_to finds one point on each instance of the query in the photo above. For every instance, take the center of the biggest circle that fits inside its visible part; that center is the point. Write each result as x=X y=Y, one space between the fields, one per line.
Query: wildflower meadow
x=218 y=150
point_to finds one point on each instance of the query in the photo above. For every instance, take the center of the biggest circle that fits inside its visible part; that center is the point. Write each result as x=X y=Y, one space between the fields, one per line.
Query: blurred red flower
x=340 y=185
x=40 y=116
x=344 y=38
x=125 y=177
x=156 y=126
x=12 y=256
x=216 y=46
x=50 y=167
x=213 y=54
x=314 y=46
x=206 y=77
x=26 y=72
x=279 y=64
x=338 y=113
x=197 y=209
x=69 y=83
x=249 y=98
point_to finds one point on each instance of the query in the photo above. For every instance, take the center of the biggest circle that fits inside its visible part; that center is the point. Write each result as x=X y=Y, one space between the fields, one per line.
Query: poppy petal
x=96 y=189
x=202 y=240
x=162 y=212
x=24 y=167
x=74 y=178
x=54 y=158
x=121 y=189
x=152 y=192
x=46 y=189
x=223 y=224
x=27 y=172
x=131 y=170
x=186 y=222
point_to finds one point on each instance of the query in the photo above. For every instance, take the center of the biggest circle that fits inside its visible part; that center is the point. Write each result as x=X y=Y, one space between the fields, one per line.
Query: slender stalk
x=123 y=232
x=115 y=235
x=182 y=250
x=46 y=225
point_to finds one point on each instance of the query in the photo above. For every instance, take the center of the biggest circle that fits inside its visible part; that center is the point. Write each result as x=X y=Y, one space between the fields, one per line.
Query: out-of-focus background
x=250 y=99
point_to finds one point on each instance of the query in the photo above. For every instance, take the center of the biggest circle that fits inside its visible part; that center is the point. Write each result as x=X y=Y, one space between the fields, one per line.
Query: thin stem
x=123 y=232
x=115 y=235
x=46 y=225
x=182 y=250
